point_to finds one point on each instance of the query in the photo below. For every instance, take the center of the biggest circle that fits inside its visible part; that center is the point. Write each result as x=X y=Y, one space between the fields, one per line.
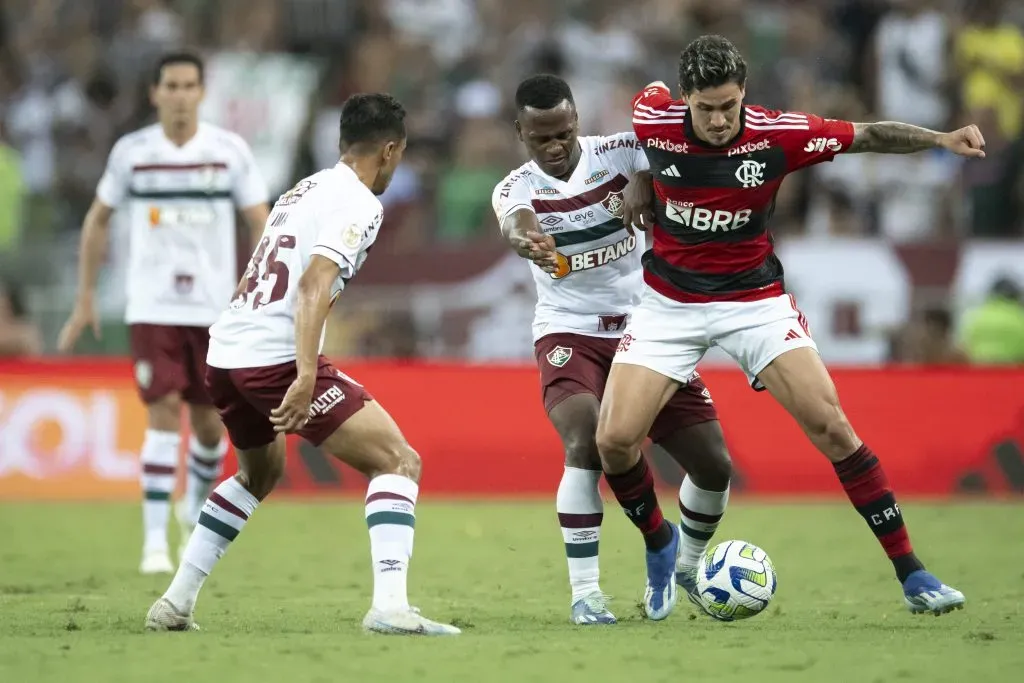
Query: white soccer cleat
x=156 y=561
x=405 y=623
x=163 y=616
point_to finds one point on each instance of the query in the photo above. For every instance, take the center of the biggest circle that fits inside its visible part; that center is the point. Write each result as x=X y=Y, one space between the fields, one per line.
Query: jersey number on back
x=262 y=268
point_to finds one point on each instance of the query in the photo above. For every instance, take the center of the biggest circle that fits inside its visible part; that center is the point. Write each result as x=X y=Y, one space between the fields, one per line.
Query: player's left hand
x=293 y=413
x=638 y=202
x=967 y=142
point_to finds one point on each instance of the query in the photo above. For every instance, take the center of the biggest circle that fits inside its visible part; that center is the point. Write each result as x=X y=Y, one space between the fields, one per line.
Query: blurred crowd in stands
x=74 y=76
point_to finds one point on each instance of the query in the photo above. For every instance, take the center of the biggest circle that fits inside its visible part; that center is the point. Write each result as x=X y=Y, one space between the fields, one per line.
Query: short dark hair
x=543 y=91
x=371 y=118
x=172 y=58
x=710 y=61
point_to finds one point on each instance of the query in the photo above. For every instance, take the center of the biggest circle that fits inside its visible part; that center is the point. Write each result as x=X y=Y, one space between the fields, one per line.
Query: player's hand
x=638 y=203
x=540 y=249
x=967 y=142
x=293 y=413
x=83 y=316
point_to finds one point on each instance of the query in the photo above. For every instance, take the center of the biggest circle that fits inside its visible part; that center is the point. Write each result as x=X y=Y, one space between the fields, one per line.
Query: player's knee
x=581 y=451
x=165 y=413
x=207 y=427
x=616 y=445
x=260 y=478
x=714 y=472
x=400 y=459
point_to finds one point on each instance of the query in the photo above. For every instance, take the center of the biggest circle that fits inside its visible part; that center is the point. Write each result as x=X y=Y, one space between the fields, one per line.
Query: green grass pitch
x=286 y=602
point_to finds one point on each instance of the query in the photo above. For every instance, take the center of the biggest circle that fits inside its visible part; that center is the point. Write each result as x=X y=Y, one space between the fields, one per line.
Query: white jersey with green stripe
x=599 y=276
x=180 y=204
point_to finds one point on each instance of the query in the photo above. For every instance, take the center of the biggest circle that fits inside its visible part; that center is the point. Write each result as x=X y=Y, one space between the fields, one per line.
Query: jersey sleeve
x=248 y=187
x=654 y=96
x=113 y=186
x=822 y=141
x=510 y=195
x=343 y=235
x=632 y=157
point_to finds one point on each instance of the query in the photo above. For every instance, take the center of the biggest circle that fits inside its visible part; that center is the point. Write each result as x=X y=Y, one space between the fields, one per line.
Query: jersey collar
x=692 y=136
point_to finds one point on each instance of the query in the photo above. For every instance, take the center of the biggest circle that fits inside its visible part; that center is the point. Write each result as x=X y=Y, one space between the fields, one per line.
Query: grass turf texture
x=287 y=600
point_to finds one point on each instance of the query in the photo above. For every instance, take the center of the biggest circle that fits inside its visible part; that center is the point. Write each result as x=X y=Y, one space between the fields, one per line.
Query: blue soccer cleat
x=660 y=594
x=922 y=593
x=592 y=609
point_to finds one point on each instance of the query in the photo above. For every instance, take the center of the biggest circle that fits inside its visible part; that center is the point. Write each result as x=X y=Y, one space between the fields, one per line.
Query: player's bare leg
x=158 y=477
x=633 y=397
x=206 y=450
x=372 y=443
x=579 y=506
x=222 y=518
x=703 y=495
x=800 y=382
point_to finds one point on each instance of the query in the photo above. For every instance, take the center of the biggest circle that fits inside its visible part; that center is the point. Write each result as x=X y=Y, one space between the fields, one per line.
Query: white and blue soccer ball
x=735 y=580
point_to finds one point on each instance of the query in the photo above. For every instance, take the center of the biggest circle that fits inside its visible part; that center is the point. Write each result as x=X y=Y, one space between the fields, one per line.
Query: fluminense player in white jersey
x=569 y=200
x=267 y=378
x=180 y=182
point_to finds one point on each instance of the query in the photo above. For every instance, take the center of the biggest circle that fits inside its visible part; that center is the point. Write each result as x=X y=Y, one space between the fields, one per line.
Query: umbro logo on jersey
x=550 y=221
x=671 y=172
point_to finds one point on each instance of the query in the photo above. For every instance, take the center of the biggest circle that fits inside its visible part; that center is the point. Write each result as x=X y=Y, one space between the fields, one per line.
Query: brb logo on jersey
x=592 y=258
x=705 y=219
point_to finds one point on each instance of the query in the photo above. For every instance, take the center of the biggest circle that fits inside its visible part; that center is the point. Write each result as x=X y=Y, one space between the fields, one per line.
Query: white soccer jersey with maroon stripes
x=181 y=203
x=599 y=277
x=330 y=214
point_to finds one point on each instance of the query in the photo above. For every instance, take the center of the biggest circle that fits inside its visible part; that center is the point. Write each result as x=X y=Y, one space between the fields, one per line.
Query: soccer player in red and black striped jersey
x=712 y=278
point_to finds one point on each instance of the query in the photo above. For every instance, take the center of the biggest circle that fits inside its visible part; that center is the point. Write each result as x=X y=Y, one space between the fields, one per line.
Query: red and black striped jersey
x=711 y=239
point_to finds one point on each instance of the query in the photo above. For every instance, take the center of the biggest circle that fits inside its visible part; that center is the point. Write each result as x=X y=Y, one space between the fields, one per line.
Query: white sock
x=700 y=512
x=205 y=466
x=580 y=513
x=222 y=518
x=391 y=518
x=159 y=459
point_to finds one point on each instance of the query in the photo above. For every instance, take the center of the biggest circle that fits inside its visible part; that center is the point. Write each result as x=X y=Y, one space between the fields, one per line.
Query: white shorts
x=671 y=338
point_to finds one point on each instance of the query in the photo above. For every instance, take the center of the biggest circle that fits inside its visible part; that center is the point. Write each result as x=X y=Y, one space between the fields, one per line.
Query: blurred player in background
x=713 y=279
x=180 y=182
x=565 y=211
x=267 y=377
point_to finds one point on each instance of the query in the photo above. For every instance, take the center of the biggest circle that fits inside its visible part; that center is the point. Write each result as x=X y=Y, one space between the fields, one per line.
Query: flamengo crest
x=559 y=356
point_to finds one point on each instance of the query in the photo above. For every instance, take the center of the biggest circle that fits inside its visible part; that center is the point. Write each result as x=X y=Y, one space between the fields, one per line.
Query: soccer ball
x=735 y=580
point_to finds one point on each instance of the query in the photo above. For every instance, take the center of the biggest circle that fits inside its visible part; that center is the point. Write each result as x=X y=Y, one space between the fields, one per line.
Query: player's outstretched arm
x=313 y=303
x=892 y=137
x=95 y=233
x=523 y=233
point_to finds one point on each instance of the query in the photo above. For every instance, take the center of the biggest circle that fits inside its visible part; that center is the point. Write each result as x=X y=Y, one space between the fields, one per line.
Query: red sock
x=634 y=489
x=868 y=488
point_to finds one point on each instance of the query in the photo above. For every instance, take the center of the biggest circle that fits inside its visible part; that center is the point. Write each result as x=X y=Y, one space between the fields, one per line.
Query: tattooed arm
x=891 y=137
